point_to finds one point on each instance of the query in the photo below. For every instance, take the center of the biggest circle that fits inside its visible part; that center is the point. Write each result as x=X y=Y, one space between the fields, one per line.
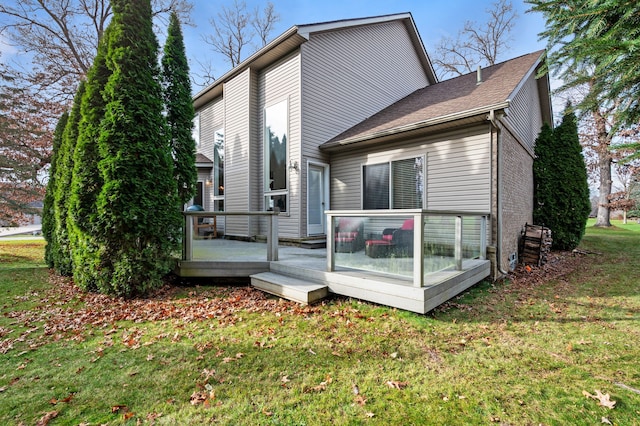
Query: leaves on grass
x=321 y=387
x=603 y=399
x=394 y=384
x=44 y=420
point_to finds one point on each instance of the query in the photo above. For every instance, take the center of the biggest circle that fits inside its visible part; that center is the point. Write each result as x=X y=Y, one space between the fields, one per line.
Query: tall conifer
x=62 y=258
x=561 y=193
x=138 y=221
x=180 y=111
x=48 y=214
x=87 y=181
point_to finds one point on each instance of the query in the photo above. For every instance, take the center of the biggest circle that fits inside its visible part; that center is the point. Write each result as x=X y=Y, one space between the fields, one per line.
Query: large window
x=396 y=184
x=218 y=170
x=275 y=157
x=195 y=130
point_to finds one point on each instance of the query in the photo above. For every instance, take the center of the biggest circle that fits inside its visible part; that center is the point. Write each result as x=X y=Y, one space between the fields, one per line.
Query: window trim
x=215 y=180
x=267 y=192
x=390 y=192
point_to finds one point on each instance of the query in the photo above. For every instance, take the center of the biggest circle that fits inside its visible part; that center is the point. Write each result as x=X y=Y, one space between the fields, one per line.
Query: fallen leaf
x=128 y=415
x=356 y=390
x=396 y=385
x=285 y=379
x=2 y=389
x=44 y=420
x=266 y=412
x=311 y=352
x=118 y=408
x=370 y=415
x=150 y=357
x=605 y=421
x=360 y=400
x=239 y=355
x=603 y=399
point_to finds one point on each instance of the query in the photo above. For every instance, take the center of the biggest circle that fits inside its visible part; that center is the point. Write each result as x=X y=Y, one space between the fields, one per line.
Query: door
x=316 y=200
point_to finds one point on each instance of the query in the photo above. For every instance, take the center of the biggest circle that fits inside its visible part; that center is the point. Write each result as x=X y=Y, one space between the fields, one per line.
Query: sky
x=434 y=19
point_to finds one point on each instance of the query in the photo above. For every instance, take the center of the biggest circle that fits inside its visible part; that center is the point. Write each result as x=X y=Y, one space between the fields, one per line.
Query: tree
x=57 y=41
x=561 y=191
x=235 y=27
x=476 y=44
x=62 y=37
x=180 y=111
x=60 y=248
x=139 y=224
x=87 y=181
x=27 y=122
x=603 y=38
x=48 y=214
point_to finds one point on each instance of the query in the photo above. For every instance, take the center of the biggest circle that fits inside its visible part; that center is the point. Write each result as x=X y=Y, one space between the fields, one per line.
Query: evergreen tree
x=48 y=214
x=61 y=252
x=87 y=181
x=561 y=193
x=138 y=223
x=180 y=111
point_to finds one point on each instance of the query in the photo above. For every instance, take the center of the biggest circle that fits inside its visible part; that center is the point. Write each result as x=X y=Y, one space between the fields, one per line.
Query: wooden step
x=313 y=244
x=289 y=288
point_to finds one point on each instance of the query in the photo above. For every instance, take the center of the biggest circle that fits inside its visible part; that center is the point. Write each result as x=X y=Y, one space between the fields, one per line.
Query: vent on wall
x=513 y=261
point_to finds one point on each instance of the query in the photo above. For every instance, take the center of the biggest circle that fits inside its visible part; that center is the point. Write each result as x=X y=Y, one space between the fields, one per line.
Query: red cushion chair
x=349 y=235
x=395 y=241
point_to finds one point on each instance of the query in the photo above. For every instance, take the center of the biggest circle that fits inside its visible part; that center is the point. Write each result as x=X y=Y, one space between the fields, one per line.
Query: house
x=349 y=116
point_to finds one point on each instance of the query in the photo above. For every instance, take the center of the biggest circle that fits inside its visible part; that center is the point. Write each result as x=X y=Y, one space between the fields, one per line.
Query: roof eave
x=215 y=89
x=402 y=132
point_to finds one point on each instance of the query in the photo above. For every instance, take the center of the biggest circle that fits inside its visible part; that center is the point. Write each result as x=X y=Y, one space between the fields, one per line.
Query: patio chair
x=396 y=242
x=349 y=235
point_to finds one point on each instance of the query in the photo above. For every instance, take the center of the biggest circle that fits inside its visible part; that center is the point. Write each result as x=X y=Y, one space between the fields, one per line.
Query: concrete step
x=291 y=288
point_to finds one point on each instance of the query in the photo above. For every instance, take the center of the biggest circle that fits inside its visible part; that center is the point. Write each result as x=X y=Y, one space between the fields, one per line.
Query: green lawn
x=519 y=352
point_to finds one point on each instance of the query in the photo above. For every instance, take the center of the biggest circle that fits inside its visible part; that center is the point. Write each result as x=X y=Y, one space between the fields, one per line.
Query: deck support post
x=418 y=250
x=187 y=242
x=458 y=243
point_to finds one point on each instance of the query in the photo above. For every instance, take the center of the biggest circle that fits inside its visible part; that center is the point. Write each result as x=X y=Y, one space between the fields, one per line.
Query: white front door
x=316 y=199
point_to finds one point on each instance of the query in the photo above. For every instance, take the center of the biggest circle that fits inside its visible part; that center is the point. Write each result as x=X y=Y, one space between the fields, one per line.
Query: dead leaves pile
x=66 y=312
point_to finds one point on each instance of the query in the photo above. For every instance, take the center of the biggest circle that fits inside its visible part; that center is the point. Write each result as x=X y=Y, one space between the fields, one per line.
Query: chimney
x=479 y=76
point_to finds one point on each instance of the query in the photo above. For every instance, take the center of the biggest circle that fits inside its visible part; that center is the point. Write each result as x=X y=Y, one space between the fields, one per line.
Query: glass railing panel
x=381 y=244
x=438 y=242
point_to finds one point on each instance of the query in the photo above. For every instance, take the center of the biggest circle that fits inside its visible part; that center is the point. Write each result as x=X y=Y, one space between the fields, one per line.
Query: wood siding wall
x=211 y=119
x=458 y=171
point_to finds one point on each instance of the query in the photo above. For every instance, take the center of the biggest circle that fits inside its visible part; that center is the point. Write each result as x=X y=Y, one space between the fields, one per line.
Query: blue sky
x=434 y=20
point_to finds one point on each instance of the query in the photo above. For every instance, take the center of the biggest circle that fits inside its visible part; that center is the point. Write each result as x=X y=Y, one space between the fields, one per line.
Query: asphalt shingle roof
x=445 y=98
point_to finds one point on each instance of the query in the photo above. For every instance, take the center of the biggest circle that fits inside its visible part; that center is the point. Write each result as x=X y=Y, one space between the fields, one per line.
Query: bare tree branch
x=477 y=43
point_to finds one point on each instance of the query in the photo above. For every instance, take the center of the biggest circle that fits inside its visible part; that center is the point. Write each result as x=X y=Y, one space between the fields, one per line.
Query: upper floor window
x=218 y=170
x=195 y=130
x=396 y=184
x=276 y=128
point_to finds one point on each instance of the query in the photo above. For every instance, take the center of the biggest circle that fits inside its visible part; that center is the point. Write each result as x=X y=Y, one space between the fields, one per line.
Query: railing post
x=418 y=250
x=331 y=238
x=272 y=236
x=187 y=240
x=458 y=243
x=483 y=237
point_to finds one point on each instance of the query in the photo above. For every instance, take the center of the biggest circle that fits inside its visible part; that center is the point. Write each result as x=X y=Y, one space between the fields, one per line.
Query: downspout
x=494 y=122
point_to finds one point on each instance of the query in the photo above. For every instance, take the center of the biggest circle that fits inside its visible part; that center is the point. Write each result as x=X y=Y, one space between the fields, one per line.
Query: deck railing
x=212 y=229
x=387 y=242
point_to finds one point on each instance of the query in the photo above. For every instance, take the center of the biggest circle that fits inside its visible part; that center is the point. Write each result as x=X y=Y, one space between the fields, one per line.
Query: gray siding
x=458 y=171
x=351 y=74
x=525 y=115
x=281 y=82
x=237 y=165
x=211 y=119
x=346 y=77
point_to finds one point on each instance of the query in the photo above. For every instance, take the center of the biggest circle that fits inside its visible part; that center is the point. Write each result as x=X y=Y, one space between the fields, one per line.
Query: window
x=275 y=157
x=218 y=170
x=195 y=130
x=397 y=185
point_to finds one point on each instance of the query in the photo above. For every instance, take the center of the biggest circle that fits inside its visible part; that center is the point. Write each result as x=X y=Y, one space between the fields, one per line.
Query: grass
x=518 y=352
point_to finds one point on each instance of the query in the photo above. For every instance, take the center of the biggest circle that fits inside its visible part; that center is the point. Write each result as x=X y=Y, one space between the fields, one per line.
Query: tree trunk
x=604 y=169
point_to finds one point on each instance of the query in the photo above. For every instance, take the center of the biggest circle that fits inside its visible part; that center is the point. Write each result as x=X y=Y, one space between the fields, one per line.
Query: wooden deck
x=301 y=275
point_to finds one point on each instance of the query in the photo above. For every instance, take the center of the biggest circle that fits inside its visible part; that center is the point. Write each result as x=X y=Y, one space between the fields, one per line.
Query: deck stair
x=290 y=287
